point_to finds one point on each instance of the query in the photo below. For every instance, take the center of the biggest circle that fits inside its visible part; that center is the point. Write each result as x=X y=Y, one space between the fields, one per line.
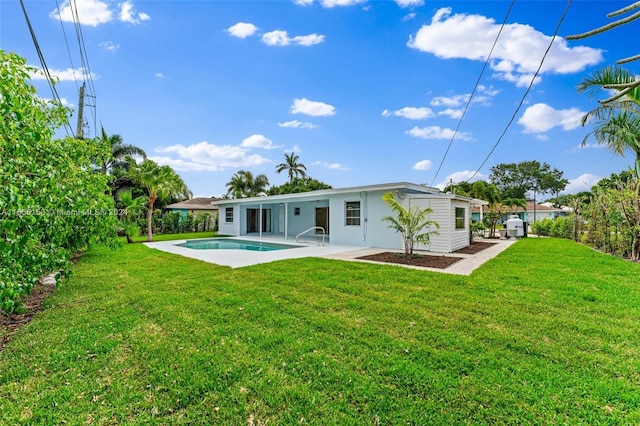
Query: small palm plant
x=130 y=206
x=412 y=223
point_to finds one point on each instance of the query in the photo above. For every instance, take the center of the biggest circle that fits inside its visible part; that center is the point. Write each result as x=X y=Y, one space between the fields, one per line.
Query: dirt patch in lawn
x=31 y=304
x=475 y=247
x=427 y=260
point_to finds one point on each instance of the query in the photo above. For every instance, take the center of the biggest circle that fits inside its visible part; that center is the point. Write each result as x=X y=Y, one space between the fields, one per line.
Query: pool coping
x=240 y=258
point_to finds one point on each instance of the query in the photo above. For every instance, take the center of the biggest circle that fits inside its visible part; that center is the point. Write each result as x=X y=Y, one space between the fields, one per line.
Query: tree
x=617 y=121
x=52 y=204
x=298 y=185
x=158 y=182
x=293 y=168
x=117 y=152
x=244 y=185
x=515 y=180
x=412 y=223
x=624 y=87
x=129 y=205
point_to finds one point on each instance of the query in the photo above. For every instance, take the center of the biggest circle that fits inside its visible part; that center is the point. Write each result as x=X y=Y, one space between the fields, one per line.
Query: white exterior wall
x=459 y=237
x=233 y=228
x=306 y=219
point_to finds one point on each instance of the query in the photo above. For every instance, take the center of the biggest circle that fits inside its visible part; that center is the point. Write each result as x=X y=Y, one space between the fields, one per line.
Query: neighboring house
x=541 y=211
x=348 y=216
x=197 y=206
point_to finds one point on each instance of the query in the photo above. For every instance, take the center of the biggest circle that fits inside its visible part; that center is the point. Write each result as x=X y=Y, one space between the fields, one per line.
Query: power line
x=475 y=87
x=513 y=117
x=84 y=59
x=45 y=69
x=66 y=42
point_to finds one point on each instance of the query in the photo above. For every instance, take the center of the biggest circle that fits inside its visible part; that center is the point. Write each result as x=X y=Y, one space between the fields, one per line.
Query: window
x=352 y=213
x=296 y=211
x=460 y=218
x=228 y=215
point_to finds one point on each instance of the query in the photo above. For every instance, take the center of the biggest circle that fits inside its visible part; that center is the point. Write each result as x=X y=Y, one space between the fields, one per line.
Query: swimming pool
x=233 y=244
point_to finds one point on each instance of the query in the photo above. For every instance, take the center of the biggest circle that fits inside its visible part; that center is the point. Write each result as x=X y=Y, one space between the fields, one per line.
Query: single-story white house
x=348 y=216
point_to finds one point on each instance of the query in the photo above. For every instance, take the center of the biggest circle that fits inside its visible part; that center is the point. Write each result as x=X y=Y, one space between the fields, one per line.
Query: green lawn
x=546 y=333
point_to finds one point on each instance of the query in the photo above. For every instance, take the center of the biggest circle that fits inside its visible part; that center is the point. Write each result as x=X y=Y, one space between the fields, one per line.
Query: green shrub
x=51 y=204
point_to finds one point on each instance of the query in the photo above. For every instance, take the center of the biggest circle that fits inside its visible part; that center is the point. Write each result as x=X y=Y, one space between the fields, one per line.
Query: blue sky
x=364 y=91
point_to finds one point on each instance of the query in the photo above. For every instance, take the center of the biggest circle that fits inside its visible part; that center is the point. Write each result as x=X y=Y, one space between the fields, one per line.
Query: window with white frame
x=228 y=215
x=352 y=213
x=460 y=218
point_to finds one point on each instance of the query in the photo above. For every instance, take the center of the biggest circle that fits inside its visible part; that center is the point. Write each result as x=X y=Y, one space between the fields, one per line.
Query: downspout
x=365 y=214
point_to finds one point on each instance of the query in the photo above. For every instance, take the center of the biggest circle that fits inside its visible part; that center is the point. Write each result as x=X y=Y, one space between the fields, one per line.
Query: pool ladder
x=312 y=229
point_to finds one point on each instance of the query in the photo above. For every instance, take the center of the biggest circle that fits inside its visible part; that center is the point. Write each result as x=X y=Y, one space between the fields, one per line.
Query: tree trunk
x=152 y=200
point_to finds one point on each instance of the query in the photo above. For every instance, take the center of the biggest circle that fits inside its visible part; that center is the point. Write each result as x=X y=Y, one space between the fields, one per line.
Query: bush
x=542 y=227
x=562 y=227
x=52 y=204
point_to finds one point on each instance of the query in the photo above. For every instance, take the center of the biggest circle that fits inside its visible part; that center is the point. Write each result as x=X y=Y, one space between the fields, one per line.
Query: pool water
x=233 y=244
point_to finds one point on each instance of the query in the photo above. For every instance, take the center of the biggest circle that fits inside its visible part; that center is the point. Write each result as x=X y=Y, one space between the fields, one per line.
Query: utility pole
x=80 y=125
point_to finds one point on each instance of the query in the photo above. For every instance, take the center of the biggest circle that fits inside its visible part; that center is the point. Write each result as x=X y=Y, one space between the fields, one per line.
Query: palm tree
x=157 y=182
x=118 y=152
x=617 y=120
x=130 y=206
x=294 y=169
x=410 y=223
x=244 y=185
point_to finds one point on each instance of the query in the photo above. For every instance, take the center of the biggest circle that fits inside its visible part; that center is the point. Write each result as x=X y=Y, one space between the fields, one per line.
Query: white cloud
x=303 y=2
x=408 y=17
x=313 y=108
x=129 y=14
x=242 y=30
x=517 y=55
x=412 y=113
x=334 y=3
x=96 y=12
x=204 y=156
x=69 y=74
x=450 y=101
x=259 y=141
x=66 y=103
x=461 y=176
x=583 y=182
x=451 y=112
x=298 y=124
x=422 y=165
x=281 y=38
x=436 y=132
x=332 y=166
x=109 y=45
x=540 y=118
x=90 y=12
x=409 y=3
x=159 y=75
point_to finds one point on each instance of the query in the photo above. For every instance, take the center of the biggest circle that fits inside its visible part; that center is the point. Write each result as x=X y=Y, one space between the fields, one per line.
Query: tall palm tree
x=244 y=185
x=157 y=182
x=617 y=119
x=291 y=165
x=118 y=152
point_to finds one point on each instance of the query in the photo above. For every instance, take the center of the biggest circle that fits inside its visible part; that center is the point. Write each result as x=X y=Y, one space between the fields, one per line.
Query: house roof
x=406 y=187
x=202 y=203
